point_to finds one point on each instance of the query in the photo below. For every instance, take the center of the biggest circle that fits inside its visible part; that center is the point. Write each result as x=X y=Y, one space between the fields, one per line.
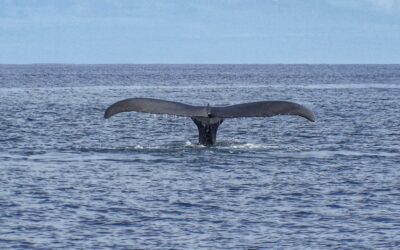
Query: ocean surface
x=71 y=179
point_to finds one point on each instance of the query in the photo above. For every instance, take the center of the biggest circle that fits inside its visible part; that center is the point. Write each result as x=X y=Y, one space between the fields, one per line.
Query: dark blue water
x=71 y=179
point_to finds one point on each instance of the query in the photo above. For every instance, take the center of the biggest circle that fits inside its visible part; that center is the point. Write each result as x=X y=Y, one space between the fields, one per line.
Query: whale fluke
x=263 y=109
x=206 y=118
x=154 y=106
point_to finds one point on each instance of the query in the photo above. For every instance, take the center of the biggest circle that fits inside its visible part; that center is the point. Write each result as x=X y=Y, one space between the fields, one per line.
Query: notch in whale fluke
x=208 y=118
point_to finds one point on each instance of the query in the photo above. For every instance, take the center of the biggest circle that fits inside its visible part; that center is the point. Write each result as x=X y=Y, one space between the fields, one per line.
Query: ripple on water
x=71 y=179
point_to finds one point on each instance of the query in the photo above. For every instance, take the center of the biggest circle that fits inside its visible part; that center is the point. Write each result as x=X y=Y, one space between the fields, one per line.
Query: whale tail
x=207 y=118
x=208 y=128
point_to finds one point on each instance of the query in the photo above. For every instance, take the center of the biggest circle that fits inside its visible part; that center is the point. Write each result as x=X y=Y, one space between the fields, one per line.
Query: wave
x=352 y=86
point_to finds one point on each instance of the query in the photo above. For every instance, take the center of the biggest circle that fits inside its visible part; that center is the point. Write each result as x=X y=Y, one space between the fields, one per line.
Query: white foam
x=250 y=146
x=193 y=145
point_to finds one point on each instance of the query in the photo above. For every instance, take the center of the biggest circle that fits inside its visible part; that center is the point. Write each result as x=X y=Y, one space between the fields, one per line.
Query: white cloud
x=379 y=5
x=387 y=5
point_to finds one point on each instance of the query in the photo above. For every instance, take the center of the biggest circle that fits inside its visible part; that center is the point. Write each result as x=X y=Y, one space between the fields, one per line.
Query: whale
x=209 y=118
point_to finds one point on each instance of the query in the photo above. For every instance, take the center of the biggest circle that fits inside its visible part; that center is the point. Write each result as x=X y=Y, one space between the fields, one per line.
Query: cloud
x=387 y=5
x=376 y=5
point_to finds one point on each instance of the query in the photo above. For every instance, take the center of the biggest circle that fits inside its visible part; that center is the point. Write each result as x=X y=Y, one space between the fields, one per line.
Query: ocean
x=71 y=179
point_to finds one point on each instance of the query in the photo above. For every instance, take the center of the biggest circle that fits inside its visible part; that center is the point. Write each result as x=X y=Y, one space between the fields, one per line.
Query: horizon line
x=26 y=64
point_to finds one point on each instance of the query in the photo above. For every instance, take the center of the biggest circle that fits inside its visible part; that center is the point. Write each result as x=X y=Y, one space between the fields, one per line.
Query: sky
x=199 y=31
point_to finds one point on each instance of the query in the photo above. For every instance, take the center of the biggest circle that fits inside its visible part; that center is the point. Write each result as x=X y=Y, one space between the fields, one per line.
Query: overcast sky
x=199 y=31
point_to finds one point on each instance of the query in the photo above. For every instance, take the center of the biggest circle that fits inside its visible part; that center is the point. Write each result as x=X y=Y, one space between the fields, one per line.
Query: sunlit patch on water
x=338 y=153
x=351 y=86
